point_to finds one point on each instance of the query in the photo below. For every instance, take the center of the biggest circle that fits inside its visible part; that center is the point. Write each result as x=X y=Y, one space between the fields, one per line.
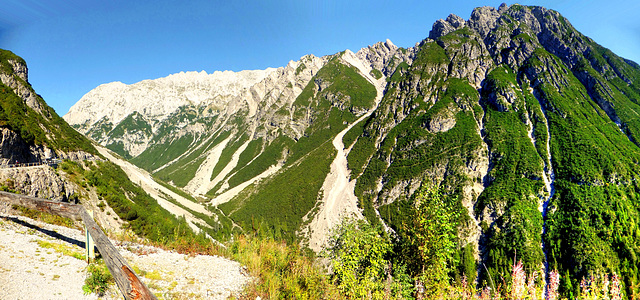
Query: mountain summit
x=529 y=125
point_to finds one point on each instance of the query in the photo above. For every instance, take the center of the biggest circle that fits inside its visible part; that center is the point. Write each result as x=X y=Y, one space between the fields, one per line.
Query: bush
x=98 y=280
x=357 y=256
x=283 y=271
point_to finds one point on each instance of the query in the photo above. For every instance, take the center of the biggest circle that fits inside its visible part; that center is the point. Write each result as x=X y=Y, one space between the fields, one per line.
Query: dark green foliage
x=357 y=253
x=17 y=116
x=97 y=130
x=351 y=135
x=515 y=180
x=360 y=154
x=345 y=81
x=570 y=103
x=164 y=146
x=142 y=213
x=592 y=226
x=270 y=156
x=376 y=73
x=183 y=170
x=279 y=203
x=158 y=155
x=99 y=279
x=5 y=57
x=227 y=153
x=594 y=229
x=133 y=123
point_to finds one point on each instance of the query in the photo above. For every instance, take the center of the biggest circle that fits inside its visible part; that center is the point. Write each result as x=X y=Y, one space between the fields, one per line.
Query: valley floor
x=33 y=266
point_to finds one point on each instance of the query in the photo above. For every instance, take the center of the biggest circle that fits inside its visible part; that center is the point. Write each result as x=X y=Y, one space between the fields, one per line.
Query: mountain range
x=530 y=126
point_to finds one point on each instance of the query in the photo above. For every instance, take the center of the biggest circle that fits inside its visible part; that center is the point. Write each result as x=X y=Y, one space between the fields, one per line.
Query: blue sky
x=72 y=46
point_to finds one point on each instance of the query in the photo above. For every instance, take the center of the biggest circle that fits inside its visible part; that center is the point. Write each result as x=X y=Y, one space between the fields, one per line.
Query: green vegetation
x=515 y=179
x=183 y=170
x=39 y=128
x=376 y=73
x=132 y=124
x=41 y=216
x=227 y=153
x=165 y=146
x=353 y=134
x=62 y=249
x=99 y=279
x=143 y=214
x=278 y=204
x=357 y=255
x=571 y=109
x=269 y=156
x=345 y=80
x=283 y=271
x=175 y=190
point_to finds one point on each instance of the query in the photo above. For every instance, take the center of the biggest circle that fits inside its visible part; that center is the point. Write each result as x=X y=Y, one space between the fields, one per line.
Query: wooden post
x=89 y=245
x=128 y=282
x=62 y=209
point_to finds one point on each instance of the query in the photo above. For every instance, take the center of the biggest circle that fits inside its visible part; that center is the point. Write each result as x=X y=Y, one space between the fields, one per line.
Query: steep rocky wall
x=13 y=149
x=41 y=181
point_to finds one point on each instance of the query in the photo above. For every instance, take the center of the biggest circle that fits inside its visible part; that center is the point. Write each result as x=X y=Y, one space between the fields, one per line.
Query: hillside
x=529 y=126
x=31 y=130
x=33 y=134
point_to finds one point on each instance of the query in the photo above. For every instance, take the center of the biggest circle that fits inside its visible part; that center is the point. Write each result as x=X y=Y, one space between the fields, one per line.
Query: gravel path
x=33 y=266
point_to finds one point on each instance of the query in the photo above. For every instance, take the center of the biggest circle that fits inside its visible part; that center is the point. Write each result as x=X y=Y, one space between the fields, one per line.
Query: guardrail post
x=89 y=245
x=128 y=282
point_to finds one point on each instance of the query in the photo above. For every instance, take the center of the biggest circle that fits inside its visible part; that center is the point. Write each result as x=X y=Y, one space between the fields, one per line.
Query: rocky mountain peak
x=443 y=27
x=15 y=75
x=20 y=69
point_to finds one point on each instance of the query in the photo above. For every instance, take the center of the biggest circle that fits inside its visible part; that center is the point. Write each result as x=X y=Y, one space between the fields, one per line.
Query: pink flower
x=486 y=294
x=531 y=285
x=553 y=284
x=615 y=287
x=518 y=281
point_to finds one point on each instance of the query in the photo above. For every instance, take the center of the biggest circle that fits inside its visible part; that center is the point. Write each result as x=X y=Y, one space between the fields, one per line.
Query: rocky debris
x=30 y=271
x=78 y=156
x=441 y=123
x=52 y=275
x=483 y=19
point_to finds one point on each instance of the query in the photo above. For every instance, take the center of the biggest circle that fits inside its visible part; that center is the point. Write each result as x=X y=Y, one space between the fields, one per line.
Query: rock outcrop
x=41 y=181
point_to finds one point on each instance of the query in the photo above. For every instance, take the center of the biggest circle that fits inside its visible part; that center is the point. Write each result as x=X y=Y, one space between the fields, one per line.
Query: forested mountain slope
x=31 y=133
x=529 y=125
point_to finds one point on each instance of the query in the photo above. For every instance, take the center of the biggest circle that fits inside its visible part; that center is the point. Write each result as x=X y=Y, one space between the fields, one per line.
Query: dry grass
x=282 y=271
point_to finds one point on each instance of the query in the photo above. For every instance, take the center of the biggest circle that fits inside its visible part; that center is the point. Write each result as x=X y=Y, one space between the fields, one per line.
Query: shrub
x=357 y=256
x=98 y=279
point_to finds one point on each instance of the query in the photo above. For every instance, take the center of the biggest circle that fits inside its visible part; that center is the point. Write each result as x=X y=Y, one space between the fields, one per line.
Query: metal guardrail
x=52 y=162
x=128 y=282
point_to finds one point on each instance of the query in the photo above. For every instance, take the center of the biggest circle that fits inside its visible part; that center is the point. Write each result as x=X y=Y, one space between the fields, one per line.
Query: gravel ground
x=33 y=266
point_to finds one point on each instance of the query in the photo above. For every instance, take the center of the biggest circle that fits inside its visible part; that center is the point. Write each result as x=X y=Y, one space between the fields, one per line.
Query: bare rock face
x=42 y=181
x=483 y=19
x=380 y=56
x=14 y=149
x=18 y=81
x=441 y=123
x=444 y=27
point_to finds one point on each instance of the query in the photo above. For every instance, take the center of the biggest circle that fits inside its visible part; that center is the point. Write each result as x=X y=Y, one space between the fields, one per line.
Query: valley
x=502 y=146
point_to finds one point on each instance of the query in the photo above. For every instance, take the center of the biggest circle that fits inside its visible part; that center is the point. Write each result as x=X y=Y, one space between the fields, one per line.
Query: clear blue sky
x=72 y=46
